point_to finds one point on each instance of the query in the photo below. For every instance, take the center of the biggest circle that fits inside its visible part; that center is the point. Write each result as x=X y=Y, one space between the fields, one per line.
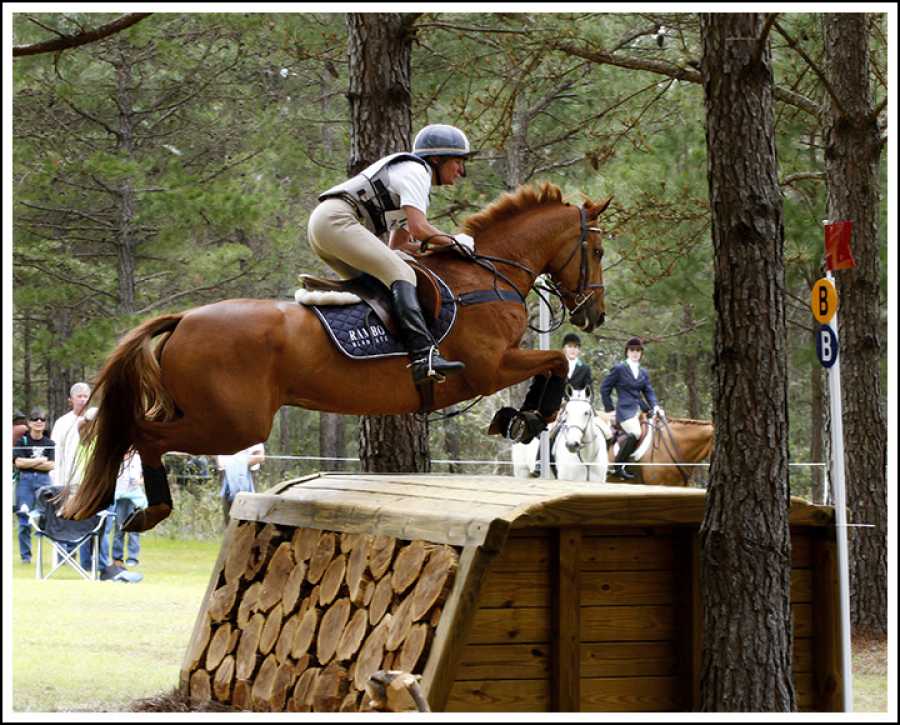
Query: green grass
x=98 y=646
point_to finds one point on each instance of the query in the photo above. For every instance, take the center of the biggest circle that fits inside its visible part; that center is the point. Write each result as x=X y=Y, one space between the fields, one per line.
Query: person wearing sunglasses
x=33 y=457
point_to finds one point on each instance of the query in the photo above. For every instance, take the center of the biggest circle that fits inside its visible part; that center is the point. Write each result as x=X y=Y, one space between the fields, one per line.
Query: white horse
x=580 y=447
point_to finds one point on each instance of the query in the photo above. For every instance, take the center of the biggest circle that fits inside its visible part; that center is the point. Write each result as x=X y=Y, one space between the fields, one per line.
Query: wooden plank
x=504 y=661
x=516 y=589
x=454 y=628
x=394 y=487
x=803 y=620
x=202 y=616
x=804 y=687
x=626 y=553
x=801 y=586
x=390 y=516
x=801 y=549
x=500 y=696
x=628 y=659
x=606 y=588
x=828 y=685
x=566 y=695
x=665 y=505
x=523 y=554
x=803 y=660
x=499 y=626
x=644 y=623
x=631 y=694
x=532 y=588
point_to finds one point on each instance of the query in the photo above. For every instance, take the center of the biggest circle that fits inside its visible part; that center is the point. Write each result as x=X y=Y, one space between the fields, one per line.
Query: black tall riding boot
x=426 y=362
x=625 y=450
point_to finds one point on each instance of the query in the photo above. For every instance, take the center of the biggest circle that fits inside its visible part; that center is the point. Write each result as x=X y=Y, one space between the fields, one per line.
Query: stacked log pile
x=301 y=618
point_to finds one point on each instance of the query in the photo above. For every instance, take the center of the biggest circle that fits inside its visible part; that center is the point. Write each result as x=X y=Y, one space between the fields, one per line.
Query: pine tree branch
x=813 y=66
x=72 y=41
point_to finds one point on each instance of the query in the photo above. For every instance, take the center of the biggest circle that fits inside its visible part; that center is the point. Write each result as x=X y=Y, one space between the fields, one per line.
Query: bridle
x=585 y=291
x=580 y=297
x=582 y=429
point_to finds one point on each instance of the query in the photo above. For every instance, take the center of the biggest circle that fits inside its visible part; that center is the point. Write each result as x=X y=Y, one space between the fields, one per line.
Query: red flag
x=837 y=246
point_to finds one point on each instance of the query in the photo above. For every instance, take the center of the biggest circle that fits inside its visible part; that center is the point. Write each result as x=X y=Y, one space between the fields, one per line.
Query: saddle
x=370 y=290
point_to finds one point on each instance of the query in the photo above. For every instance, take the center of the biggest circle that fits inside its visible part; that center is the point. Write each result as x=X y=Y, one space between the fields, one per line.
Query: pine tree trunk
x=380 y=47
x=852 y=155
x=691 y=364
x=331 y=441
x=745 y=538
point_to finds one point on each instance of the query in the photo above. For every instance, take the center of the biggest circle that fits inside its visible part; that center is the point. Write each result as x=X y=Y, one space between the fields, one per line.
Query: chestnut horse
x=675 y=440
x=218 y=373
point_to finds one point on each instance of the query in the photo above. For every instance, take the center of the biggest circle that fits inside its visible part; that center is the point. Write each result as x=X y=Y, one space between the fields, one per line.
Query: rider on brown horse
x=392 y=195
x=634 y=394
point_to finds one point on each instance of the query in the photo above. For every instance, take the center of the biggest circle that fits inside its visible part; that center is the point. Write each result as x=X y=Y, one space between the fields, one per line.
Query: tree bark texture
x=379 y=49
x=745 y=538
x=332 y=440
x=852 y=156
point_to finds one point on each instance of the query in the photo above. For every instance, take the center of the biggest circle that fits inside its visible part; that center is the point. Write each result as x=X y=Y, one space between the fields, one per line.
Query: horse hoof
x=146 y=519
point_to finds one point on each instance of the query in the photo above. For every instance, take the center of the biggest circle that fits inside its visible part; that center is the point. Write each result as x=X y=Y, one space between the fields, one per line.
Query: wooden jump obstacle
x=503 y=594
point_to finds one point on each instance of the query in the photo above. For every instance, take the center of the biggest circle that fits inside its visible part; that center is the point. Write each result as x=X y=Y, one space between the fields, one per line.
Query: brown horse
x=219 y=373
x=675 y=440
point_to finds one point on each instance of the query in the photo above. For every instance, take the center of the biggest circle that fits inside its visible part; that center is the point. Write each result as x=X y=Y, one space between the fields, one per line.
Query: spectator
x=33 y=458
x=237 y=476
x=130 y=496
x=20 y=426
x=66 y=433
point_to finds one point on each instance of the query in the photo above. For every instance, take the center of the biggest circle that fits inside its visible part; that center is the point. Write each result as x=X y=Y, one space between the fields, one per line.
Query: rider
x=392 y=195
x=634 y=394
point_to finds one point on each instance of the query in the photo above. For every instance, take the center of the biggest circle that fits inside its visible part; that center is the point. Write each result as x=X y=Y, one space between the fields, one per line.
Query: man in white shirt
x=392 y=195
x=65 y=435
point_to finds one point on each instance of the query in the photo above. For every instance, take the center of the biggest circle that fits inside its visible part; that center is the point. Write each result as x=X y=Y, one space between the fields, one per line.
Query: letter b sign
x=823 y=301
x=826 y=346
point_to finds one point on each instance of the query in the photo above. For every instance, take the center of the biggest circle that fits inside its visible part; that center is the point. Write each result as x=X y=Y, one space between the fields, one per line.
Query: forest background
x=176 y=163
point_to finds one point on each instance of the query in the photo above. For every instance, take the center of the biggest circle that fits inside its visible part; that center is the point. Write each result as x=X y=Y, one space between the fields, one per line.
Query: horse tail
x=131 y=393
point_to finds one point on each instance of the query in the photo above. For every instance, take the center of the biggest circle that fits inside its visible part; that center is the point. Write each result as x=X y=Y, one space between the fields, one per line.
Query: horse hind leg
x=191 y=436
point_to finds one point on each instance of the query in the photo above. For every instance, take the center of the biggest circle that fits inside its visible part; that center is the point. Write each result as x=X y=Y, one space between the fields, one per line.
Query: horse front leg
x=543 y=398
x=517 y=365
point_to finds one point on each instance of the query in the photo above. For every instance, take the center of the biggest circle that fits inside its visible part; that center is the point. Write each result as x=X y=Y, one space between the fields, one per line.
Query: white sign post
x=838 y=491
x=544 y=344
x=838 y=488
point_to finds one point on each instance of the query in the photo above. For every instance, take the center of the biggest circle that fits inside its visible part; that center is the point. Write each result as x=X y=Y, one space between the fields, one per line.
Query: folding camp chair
x=66 y=536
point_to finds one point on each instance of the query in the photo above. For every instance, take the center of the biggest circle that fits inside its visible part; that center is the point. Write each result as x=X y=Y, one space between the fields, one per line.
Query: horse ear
x=587 y=390
x=595 y=210
x=569 y=390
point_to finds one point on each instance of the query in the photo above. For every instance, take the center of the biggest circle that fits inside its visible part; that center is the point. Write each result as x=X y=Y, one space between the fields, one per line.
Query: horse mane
x=511 y=203
x=691 y=421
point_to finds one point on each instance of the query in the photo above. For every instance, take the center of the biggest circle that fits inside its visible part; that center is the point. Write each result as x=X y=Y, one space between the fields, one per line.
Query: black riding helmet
x=634 y=344
x=438 y=139
x=571 y=339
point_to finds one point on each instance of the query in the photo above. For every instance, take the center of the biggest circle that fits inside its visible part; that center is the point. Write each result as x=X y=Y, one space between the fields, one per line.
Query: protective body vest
x=368 y=191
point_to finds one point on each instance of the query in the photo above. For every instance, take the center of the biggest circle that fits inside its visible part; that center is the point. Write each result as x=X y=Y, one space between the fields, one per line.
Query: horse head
x=578 y=419
x=533 y=230
x=577 y=268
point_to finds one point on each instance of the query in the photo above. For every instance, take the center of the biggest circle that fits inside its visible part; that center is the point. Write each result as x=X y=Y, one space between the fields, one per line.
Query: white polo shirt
x=411 y=181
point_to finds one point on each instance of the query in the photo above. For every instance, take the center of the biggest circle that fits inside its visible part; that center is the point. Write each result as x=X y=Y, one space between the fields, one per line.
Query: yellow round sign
x=824 y=301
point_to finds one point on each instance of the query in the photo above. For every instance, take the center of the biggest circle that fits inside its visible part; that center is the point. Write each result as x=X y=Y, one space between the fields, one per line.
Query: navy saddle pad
x=359 y=334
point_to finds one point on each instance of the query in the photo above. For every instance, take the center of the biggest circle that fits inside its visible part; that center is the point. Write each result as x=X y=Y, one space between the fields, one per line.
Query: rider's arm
x=418 y=227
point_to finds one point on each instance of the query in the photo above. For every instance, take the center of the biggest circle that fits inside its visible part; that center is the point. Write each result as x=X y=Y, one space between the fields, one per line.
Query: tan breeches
x=632 y=425
x=338 y=236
